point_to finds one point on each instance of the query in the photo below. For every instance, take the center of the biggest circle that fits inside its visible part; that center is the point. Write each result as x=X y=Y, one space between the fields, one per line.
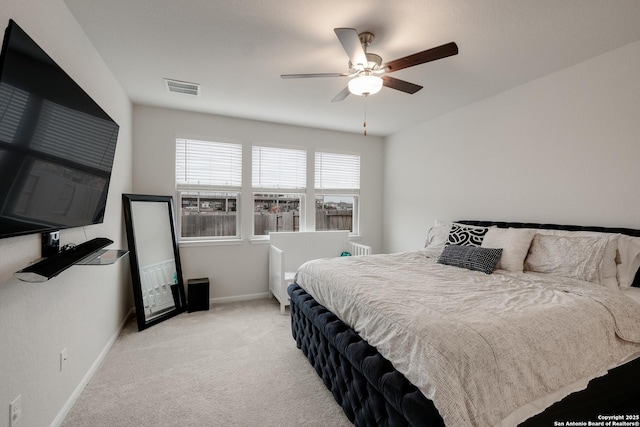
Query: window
x=209 y=185
x=279 y=179
x=208 y=182
x=337 y=189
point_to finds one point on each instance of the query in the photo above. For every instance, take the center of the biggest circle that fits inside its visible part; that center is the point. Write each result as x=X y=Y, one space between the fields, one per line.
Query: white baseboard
x=87 y=377
x=237 y=298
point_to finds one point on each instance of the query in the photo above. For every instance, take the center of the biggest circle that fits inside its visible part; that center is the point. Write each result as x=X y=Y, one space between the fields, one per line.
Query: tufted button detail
x=367 y=387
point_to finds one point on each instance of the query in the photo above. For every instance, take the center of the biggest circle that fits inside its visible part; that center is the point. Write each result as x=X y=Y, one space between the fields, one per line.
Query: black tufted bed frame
x=372 y=393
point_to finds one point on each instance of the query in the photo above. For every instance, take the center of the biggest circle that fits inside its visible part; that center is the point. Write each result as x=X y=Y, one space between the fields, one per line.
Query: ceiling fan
x=366 y=71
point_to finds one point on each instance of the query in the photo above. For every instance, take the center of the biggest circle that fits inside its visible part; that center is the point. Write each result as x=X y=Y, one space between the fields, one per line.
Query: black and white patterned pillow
x=466 y=235
x=471 y=257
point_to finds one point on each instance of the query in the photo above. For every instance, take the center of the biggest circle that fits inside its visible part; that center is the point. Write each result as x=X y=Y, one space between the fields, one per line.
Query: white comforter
x=480 y=346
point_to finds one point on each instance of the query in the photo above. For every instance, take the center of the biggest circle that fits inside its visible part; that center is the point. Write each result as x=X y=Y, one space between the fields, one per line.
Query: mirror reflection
x=155 y=263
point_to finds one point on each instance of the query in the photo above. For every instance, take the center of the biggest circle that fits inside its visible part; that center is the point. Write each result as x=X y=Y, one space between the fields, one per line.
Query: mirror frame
x=127 y=200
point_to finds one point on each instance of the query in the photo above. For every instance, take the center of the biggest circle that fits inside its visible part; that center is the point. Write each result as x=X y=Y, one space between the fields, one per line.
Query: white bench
x=289 y=250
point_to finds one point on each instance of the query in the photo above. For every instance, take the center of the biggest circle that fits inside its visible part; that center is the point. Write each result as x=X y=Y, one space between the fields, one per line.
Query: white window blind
x=208 y=164
x=337 y=172
x=279 y=168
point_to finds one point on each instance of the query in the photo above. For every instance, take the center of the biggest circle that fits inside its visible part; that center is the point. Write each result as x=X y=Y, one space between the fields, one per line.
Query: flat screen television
x=56 y=144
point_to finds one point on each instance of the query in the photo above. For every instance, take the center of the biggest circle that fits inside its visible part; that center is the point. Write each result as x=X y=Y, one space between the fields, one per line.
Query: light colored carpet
x=234 y=365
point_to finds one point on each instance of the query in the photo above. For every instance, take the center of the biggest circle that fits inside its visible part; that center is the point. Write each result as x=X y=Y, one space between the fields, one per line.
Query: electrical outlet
x=15 y=412
x=63 y=359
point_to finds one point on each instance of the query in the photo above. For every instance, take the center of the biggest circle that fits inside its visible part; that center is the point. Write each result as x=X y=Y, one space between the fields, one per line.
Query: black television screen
x=56 y=144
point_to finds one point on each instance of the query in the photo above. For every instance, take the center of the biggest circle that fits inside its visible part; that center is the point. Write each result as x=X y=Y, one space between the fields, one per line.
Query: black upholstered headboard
x=502 y=224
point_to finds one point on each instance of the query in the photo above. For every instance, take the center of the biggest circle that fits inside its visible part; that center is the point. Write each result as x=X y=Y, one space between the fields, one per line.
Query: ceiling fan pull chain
x=365 y=115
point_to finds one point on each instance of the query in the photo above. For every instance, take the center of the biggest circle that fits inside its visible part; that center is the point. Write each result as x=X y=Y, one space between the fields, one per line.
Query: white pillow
x=609 y=267
x=515 y=243
x=438 y=235
x=628 y=259
x=580 y=257
x=633 y=293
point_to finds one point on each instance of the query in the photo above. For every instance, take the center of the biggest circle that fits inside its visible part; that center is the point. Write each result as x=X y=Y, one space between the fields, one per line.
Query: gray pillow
x=471 y=257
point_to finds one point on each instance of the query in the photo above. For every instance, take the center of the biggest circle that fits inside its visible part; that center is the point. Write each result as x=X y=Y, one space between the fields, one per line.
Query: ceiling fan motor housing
x=374 y=63
x=366 y=38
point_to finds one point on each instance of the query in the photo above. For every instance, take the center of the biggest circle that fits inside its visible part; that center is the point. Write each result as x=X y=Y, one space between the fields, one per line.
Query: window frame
x=275 y=188
x=233 y=186
x=301 y=204
x=355 y=211
x=238 y=216
x=320 y=190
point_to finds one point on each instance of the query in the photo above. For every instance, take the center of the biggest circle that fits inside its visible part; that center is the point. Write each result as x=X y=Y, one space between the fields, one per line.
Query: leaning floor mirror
x=156 y=275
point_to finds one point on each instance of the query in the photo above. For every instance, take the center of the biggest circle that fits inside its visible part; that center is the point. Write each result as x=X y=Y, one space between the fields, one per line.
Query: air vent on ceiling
x=182 y=87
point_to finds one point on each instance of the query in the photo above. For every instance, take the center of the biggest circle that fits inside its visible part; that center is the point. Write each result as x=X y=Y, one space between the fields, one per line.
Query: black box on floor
x=198 y=296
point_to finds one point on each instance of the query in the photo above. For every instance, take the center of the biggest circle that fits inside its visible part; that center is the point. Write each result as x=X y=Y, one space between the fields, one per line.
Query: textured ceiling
x=237 y=50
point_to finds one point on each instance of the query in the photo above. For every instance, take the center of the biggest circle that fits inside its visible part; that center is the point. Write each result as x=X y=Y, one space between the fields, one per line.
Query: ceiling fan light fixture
x=365 y=85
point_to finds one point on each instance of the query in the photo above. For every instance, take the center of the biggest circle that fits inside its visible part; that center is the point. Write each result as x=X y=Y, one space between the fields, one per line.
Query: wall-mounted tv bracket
x=50 y=243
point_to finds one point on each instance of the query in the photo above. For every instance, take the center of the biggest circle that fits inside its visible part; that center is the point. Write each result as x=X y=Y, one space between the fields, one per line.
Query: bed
x=549 y=334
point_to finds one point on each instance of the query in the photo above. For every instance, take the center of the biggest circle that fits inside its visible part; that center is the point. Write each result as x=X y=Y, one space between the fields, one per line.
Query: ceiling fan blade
x=428 y=55
x=351 y=43
x=306 y=76
x=400 y=85
x=342 y=95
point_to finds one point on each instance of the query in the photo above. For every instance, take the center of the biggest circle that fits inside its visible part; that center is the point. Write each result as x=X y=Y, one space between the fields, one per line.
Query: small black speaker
x=198 y=294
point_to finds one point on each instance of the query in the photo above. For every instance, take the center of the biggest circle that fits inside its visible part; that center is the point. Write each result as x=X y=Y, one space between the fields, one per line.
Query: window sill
x=262 y=240
x=196 y=243
x=256 y=240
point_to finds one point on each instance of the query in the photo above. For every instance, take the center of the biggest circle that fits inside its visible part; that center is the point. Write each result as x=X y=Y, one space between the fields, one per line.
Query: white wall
x=241 y=270
x=81 y=309
x=563 y=149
